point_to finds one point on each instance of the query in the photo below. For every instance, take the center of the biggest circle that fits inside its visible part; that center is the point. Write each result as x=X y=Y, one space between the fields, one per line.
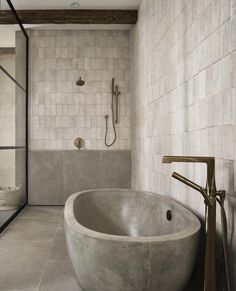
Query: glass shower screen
x=13 y=115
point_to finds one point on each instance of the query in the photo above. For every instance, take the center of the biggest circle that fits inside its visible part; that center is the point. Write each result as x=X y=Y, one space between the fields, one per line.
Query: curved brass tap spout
x=209 y=194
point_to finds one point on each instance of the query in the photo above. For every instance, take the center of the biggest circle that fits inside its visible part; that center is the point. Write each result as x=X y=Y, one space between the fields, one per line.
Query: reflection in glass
x=12 y=112
x=4 y=5
x=7 y=41
x=7 y=108
x=13 y=45
x=20 y=56
x=13 y=55
x=13 y=151
x=12 y=182
x=7 y=49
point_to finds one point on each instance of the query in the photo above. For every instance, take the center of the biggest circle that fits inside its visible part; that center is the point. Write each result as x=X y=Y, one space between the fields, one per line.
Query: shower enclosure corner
x=14 y=47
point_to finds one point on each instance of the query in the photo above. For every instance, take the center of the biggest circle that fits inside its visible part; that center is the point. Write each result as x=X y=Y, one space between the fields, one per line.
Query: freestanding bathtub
x=123 y=240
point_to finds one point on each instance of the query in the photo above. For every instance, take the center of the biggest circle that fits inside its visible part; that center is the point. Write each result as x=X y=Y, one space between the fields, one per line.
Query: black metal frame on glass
x=18 y=21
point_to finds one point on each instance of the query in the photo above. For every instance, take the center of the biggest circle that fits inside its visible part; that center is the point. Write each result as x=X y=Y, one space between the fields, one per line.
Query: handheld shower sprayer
x=114 y=92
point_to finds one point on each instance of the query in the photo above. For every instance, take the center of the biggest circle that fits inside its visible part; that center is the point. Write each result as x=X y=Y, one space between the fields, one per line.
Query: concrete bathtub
x=124 y=240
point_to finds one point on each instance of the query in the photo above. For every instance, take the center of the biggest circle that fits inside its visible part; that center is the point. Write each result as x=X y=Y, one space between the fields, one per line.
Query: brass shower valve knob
x=79 y=142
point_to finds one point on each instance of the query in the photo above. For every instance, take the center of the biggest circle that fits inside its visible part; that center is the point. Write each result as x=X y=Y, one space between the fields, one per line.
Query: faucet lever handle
x=221 y=194
x=195 y=186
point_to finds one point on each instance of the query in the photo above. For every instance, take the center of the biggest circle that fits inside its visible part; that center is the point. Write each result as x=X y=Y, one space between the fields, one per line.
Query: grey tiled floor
x=5 y=215
x=33 y=255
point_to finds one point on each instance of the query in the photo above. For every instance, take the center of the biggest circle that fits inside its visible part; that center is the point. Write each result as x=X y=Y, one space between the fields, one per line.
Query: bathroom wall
x=7 y=101
x=20 y=72
x=54 y=175
x=20 y=108
x=184 y=90
x=12 y=118
x=7 y=121
x=60 y=111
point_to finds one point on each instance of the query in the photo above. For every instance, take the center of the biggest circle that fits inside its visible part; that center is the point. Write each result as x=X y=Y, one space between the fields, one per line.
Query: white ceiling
x=65 y=4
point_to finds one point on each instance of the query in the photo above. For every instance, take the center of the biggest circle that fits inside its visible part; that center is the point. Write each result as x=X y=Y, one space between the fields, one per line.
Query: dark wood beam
x=7 y=50
x=70 y=16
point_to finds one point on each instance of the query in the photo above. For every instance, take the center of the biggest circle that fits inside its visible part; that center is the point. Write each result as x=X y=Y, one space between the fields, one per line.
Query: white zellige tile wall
x=60 y=111
x=184 y=90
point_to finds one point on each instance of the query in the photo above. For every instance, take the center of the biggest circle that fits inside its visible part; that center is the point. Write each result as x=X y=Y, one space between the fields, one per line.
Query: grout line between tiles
x=47 y=259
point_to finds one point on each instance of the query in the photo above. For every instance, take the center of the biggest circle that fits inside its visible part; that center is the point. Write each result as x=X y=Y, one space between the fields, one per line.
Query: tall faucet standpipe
x=209 y=194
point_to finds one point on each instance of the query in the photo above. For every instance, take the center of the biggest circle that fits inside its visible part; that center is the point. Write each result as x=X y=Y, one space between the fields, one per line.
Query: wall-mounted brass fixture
x=211 y=196
x=80 y=82
x=79 y=142
x=114 y=112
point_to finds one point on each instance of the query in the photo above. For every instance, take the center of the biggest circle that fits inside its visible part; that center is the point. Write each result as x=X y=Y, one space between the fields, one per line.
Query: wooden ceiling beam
x=70 y=16
x=7 y=51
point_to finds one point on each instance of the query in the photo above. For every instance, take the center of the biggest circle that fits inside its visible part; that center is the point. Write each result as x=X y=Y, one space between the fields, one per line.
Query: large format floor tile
x=52 y=212
x=33 y=254
x=59 y=276
x=34 y=223
x=31 y=229
x=5 y=215
x=58 y=249
x=22 y=263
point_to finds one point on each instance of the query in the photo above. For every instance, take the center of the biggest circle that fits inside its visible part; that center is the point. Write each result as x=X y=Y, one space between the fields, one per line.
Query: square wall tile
x=45 y=178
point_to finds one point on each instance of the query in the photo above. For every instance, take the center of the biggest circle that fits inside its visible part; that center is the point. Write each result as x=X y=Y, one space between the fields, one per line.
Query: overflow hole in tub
x=169 y=215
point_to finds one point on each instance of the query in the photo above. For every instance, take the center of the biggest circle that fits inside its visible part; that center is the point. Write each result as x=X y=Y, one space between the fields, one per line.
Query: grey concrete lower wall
x=55 y=175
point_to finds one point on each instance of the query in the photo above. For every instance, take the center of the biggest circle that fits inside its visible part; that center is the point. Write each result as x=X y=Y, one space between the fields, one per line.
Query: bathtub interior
x=130 y=213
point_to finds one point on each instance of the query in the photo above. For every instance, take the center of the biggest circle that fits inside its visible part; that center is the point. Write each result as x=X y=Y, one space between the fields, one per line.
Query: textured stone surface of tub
x=121 y=240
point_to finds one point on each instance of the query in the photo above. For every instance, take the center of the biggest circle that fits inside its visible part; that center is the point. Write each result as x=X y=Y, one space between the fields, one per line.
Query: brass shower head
x=80 y=82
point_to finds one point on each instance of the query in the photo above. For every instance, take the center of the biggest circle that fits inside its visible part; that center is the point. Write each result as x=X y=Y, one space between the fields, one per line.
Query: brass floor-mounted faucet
x=210 y=195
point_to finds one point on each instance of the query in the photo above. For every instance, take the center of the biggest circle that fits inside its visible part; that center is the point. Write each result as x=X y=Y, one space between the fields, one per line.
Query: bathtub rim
x=72 y=223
